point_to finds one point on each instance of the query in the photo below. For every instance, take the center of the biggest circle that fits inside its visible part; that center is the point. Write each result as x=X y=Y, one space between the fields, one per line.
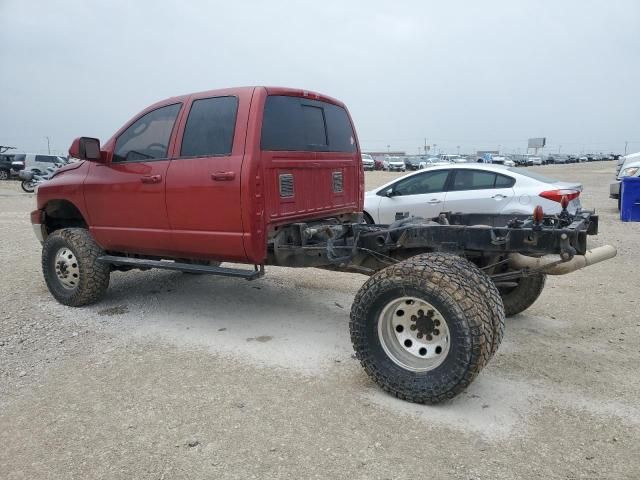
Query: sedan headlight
x=629 y=172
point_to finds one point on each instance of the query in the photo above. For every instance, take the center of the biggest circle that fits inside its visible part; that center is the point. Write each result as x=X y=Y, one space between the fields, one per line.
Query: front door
x=126 y=196
x=203 y=181
x=419 y=195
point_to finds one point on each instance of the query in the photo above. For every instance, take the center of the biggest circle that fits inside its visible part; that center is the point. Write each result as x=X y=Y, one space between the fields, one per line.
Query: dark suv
x=5 y=166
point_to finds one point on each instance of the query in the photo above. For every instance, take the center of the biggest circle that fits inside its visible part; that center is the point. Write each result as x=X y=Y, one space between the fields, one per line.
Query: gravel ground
x=177 y=376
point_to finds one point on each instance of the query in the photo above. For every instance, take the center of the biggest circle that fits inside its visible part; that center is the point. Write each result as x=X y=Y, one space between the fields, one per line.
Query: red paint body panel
x=67 y=184
x=219 y=207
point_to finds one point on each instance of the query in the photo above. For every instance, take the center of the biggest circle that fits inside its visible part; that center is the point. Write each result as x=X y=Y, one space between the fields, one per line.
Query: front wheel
x=28 y=186
x=4 y=174
x=70 y=267
x=423 y=328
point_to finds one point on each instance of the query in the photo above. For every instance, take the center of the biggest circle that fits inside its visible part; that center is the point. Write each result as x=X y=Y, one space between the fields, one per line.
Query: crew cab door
x=125 y=197
x=203 y=180
x=479 y=191
x=419 y=195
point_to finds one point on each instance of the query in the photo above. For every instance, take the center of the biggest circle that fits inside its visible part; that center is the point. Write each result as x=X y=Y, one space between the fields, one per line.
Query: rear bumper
x=614 y=189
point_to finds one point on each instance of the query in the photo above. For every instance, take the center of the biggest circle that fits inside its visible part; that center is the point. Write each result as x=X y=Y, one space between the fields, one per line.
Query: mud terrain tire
x=518 y=299
x=70 y=267
x=444 y=283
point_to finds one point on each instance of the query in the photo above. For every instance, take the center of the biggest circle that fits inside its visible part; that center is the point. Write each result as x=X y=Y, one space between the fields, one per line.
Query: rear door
x=478 y=191
x=420 y=195
x=204 y=180
x=126 y=196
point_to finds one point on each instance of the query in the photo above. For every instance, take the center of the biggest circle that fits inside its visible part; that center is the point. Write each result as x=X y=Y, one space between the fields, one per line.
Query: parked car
x=629 y=169
x=37 y=162
x=368 y=163
x=380 y=164
x=452 y=158
x=523 y=160
x=415 y=163
x=6 y=169
x=468 y=188
x=535 y=160
x=502 y=160
x=396 y=164
x=622 y=160
x=557 y=158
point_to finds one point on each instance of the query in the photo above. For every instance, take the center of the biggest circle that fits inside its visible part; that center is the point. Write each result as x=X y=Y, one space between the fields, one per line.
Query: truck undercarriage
x=432 y=313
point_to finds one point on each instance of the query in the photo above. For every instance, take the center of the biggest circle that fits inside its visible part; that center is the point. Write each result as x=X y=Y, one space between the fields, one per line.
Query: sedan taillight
x=556 y=195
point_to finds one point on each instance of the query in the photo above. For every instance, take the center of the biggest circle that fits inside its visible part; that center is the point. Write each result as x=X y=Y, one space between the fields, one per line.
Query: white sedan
x=468 y=188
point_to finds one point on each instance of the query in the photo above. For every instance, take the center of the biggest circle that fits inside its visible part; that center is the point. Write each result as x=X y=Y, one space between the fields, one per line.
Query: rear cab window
x=300 y=124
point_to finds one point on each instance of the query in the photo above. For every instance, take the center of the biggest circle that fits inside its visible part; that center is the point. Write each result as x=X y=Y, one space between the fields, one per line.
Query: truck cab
x=210 y=175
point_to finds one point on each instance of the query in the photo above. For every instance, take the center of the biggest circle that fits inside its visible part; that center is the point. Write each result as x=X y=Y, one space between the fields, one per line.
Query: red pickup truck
x=273 y=176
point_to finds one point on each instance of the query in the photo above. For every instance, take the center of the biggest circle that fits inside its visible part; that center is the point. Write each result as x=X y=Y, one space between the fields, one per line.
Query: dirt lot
x=176 y=376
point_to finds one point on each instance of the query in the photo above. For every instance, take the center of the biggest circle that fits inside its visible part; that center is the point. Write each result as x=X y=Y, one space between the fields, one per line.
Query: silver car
x=627 y=169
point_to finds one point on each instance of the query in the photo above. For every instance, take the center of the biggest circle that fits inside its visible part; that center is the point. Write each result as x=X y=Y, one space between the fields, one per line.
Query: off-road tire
x=444 y=281
x=93 y=278
x=493 y=301
x=518 y=299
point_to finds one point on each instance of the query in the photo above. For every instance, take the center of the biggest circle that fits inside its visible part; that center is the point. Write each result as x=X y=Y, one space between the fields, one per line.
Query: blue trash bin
x=630 y=199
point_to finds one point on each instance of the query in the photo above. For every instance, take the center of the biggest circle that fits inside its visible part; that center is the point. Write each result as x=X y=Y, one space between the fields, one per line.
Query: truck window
x=148 y=137
x=299 y=124
x=46 y=159
x=210 y=127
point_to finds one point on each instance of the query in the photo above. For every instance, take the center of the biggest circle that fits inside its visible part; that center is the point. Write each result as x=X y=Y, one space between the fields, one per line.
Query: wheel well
x=368 y=218
x=62 y=214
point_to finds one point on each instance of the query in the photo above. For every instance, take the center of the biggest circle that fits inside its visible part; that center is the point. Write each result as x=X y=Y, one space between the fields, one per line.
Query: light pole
x=388 y=148
x=625 y=147
x=48 y=146
x=458 y=147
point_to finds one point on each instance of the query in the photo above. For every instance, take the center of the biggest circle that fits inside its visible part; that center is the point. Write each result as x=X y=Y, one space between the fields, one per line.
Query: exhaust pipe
x=554 y=265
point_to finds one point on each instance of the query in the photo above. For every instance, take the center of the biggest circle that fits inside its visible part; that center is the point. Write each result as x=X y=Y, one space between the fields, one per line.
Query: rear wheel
x=4 y=174
x=422 y=328
x=70 y=267
x=517 y=299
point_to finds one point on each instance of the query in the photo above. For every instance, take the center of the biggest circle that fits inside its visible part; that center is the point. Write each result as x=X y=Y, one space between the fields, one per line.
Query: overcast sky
x=478 y=74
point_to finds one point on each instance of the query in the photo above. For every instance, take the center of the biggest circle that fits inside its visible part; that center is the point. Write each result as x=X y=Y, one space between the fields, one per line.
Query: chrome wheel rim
x=4 y=175
x=66 y=267
x=414 y=334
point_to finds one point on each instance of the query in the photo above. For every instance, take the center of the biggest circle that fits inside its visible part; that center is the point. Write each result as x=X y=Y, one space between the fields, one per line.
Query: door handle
x=499 y=196
x=151 y=178
x=223 y=176
x=433 y=201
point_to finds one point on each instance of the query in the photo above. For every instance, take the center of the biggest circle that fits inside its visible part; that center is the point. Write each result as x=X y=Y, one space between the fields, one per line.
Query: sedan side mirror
x=389 y=193
x=86 y=148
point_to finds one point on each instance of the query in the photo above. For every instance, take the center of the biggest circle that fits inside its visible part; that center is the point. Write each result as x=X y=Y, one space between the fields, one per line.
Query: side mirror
x=86 y=148
x=389 y=193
